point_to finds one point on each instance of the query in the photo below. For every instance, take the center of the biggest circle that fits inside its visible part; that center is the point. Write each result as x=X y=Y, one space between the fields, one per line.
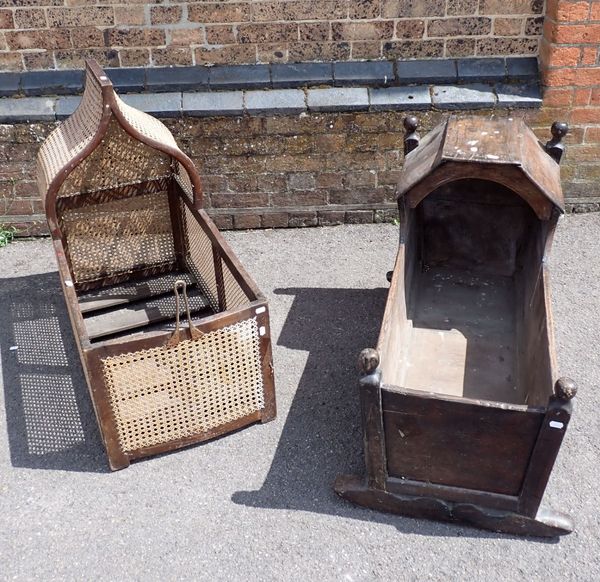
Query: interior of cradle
x=128 y=217
x=467 y=313
x=127 y=253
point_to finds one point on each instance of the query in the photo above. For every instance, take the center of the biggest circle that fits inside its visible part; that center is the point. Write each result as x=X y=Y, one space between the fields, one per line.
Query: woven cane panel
x=119 y=236
x=118 y=160
x=71 y=136
x=234 y=295
x=145 y=124
x=200 y=256
x=163 y=394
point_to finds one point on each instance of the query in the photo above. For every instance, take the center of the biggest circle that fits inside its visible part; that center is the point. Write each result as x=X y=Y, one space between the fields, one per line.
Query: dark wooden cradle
x=135 y=252
x=461 y=414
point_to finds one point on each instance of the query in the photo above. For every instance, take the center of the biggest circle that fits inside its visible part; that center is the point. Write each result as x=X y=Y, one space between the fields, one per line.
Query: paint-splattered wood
x=470 y=142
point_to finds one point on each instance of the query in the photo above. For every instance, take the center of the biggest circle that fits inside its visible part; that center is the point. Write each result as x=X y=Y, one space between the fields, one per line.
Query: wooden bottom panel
x=130 y=291
x=463 y=337
x=138 y=305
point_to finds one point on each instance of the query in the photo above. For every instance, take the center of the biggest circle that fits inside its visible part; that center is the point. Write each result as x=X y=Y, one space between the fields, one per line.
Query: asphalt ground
x=259 y=504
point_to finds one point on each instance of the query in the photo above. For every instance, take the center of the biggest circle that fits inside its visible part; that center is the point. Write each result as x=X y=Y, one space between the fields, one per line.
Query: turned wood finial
x=554 y=147
x=565 y=389
x=411 y=137
x=368 y=361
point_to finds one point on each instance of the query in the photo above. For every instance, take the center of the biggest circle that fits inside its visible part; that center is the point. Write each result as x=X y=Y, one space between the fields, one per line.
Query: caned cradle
x=124 y=207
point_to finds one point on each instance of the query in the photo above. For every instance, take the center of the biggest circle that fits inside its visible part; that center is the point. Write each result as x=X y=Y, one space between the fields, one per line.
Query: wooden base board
x=547 y=523
x=463 y=336
x=133 y=306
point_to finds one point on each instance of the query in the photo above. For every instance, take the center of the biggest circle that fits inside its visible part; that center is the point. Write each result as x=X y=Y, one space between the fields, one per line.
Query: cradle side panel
x=538 y=369
x=161 y=399
x=396 y=326
x=459 y=444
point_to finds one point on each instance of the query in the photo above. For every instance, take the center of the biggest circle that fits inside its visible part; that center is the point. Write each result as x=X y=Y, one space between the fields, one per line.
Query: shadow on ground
x=322 y=436
x=50 y=419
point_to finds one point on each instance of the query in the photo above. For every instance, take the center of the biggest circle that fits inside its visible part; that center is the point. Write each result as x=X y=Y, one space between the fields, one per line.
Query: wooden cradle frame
x=66 y=162
x=452 y=458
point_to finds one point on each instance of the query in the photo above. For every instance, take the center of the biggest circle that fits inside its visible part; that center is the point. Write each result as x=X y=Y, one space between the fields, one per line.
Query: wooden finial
x=565 y=389
x=368 y=361
x=411 y=137
x=554 y=147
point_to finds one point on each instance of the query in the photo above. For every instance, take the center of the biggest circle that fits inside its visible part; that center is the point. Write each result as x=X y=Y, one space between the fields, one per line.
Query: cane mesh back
x=118 y=236
x=120 y=159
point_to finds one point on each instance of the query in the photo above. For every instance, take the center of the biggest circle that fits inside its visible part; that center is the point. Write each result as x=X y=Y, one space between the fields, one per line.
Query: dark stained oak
x=461 y=422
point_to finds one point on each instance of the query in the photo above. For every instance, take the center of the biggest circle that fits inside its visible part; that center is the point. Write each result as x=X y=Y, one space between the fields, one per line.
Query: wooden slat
x=141 y=314
x=129 y=291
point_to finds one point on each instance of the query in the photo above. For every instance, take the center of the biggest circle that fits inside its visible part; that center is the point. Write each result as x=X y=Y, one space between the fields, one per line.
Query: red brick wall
x=570 y=65
x=45 y=34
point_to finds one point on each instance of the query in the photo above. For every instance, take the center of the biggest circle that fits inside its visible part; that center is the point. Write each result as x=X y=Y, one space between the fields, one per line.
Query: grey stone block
x=213 y=104
x=240 y=77
x=276 y=101
x=35 y=83
x=481 y=70
x=474 y=96
x=27 y=109
x=164 y=79
x=9 y=84
x=157 y=104
x=127 y=80
x=65 y=106
x=403 y=98
x=363 y=73
x=426 y=71
x=524 y=95
x=338 y=99
x=524 y=68
x=301 y=74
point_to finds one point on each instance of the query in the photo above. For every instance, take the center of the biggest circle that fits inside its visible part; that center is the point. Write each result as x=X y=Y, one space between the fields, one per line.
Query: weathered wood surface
x=547 y=446
x=130 y=291
x=396 y=326
x=142 y=313
x=475 y=225
x=546 y=523
x=457 y=443
x=462 y=338
x=503 y=150
x=466 y=341
x=370 y=405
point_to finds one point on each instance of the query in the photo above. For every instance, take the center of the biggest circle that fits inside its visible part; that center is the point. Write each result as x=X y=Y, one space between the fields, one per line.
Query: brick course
x=61 y=33
x=316 y=169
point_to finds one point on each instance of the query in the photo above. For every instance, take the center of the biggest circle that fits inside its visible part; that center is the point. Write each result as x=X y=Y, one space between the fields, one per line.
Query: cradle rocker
x=462 y=412
x=136 y=251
